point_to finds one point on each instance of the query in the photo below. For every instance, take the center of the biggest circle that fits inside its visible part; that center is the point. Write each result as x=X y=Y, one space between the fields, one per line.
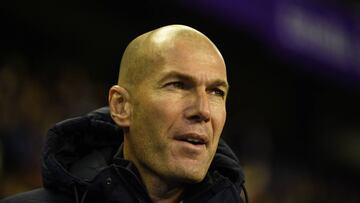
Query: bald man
x=159 y=140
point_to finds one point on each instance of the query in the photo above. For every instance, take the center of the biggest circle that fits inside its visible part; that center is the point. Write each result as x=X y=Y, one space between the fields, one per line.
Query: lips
x=193 y=138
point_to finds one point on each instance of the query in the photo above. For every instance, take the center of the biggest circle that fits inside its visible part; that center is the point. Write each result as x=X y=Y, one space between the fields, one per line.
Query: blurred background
x=294 y=69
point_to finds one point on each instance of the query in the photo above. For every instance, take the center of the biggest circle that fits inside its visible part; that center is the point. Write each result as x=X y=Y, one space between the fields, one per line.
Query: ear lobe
x=119 y=105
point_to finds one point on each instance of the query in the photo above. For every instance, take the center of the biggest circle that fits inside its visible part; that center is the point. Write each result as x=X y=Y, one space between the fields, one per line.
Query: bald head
x=148 y=51
x=172 y=85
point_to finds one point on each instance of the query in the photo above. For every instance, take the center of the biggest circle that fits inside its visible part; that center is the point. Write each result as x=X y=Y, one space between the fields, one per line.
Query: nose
x=199 y=109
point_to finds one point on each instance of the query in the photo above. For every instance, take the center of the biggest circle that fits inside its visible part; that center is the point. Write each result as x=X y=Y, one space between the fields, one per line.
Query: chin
x=190 y=171
x=192 y=176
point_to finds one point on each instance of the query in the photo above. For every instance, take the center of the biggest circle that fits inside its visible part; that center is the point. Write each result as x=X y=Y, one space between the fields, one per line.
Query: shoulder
x=40 y=195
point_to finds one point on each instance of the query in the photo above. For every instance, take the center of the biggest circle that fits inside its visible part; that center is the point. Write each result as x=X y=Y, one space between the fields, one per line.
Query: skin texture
x=172 y=87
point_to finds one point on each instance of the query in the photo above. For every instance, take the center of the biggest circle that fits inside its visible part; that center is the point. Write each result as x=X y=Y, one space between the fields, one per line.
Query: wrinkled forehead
x=201 y=63
x=186 y=51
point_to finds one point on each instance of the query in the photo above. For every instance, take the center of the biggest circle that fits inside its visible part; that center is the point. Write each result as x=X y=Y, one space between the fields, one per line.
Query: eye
x=217 y=92
x=176 y=84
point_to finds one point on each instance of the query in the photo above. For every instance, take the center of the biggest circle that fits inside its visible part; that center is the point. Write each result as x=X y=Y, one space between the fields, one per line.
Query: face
x=178 y=113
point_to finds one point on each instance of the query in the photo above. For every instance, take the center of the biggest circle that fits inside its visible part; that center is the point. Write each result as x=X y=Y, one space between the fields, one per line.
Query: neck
x=161 y=191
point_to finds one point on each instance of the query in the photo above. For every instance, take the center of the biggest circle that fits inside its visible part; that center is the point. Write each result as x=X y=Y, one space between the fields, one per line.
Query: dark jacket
x=82 y=163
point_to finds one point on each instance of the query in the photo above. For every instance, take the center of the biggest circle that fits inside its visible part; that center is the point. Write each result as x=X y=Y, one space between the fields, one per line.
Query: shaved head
x=172 y=90
x=148 y=52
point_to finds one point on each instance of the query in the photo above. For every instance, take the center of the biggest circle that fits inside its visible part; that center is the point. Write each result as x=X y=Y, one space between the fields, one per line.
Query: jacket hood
x=95 y=135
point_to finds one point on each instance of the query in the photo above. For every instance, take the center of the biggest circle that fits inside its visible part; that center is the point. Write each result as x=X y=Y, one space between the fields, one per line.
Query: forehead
x=202 y=61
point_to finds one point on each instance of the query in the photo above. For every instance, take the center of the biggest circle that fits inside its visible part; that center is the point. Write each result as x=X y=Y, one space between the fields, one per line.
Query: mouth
x=194 y=139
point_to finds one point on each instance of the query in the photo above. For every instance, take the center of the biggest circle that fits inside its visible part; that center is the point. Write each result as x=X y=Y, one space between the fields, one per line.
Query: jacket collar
x=97 y=138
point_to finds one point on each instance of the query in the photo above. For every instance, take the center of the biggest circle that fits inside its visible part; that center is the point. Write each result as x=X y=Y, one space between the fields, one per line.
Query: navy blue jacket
x=82 y=162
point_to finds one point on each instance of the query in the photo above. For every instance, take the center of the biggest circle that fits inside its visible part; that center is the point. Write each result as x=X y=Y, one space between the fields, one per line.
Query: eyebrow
x=186 y=77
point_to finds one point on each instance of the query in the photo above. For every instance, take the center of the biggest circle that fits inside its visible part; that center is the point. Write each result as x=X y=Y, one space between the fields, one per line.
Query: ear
x=119 y=104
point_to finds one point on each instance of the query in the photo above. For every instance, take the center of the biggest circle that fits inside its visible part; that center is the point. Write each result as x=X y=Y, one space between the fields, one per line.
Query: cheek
x=164 y=107
x=156 y=114
x=219 y=118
